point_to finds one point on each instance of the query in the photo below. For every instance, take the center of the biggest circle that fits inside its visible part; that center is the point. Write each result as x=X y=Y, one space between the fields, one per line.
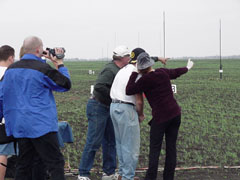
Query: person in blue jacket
x=30 y=110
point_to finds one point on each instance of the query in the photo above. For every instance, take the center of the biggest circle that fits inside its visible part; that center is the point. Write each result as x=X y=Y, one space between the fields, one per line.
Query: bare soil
x=197 y=174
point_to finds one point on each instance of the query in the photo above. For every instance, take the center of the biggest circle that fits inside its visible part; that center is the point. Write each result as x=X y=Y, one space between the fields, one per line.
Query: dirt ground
x=197 y=174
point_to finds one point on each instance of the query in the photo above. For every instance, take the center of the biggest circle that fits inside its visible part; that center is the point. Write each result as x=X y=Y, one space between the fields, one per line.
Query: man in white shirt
x=126 y=113
x=6 y=59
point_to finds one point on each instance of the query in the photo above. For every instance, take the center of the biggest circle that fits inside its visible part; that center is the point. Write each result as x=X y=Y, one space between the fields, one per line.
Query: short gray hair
x=31 y=43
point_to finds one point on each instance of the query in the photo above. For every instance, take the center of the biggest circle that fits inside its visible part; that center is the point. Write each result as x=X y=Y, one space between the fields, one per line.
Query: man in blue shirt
x=30 y=110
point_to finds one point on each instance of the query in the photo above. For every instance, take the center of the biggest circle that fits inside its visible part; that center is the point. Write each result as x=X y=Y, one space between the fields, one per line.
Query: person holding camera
x=156 y=85
x=30 y=110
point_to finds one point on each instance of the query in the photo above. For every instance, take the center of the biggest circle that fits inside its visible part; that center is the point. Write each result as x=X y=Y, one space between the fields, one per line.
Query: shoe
x=110 y=177
x=82 y=178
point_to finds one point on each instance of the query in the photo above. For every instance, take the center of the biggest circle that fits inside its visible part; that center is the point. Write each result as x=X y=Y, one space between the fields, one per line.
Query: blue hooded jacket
x=29 y=106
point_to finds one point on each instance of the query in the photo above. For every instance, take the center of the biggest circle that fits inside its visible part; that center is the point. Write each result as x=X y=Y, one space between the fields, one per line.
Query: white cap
x=121 y=51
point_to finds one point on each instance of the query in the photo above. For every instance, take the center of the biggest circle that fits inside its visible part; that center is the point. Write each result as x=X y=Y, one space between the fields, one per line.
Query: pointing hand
x=189 y=64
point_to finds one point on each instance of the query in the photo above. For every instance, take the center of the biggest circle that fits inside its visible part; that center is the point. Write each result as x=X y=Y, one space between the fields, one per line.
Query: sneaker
x=110 y=177
x=82 y=178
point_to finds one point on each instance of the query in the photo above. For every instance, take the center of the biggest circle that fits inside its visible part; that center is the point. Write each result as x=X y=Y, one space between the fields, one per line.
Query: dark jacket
x=104 y=83
x=158 y=90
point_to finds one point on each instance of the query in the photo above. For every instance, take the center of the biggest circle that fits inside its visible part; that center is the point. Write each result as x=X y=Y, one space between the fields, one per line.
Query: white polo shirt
x=118 y=89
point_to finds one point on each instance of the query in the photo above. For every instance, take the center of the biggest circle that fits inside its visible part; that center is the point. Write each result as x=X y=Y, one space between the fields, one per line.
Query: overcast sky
x=93 y=28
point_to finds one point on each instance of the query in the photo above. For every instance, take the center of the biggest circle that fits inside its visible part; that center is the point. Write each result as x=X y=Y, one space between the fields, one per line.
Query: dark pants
x=39 y=171
x=170 y=129
x=47 y=149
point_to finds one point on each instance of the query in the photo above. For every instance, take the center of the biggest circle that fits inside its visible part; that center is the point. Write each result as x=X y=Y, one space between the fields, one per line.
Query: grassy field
x=209 y=132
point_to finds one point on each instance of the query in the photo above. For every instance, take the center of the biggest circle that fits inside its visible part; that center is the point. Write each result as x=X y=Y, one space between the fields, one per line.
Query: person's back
x=104 y=82
x=161 y=86
x=30 y=109
x=158 y=91
x=30 y=102
x=120 y=82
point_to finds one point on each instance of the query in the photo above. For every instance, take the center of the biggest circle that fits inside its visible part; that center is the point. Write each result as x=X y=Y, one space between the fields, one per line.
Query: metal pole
x=107 y=51
x=102 y=55
x=164 y=34
x=220 y=50
x=164 y=51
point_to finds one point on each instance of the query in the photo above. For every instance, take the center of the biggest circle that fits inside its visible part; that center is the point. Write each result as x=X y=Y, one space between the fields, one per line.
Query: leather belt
x=123 y=102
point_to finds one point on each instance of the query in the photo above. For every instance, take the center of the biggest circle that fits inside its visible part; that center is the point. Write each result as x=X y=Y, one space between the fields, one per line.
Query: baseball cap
x=121 y=51
x=144 y=61
x=134 y=54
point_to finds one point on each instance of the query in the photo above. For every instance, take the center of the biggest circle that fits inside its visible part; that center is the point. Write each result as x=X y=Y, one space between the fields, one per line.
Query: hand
x=54 y=59
x=141 y=118
x=189 y=64
x=163 y=60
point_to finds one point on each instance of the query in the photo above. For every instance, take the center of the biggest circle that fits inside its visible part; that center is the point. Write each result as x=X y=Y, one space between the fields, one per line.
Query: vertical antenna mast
x=220 y=50
x=102 y=55
x=107 y=51
x=164 y=34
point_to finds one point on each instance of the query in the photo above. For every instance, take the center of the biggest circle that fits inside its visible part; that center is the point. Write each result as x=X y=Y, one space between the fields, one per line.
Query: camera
x=53 y=53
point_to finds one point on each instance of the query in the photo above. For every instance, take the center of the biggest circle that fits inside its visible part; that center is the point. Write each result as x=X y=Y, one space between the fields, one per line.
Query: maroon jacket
x=157 y=87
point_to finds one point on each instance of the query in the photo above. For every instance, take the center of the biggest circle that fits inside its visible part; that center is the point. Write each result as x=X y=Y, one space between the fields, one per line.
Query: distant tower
x=220 y=51
x=164 y=34
x=107 y=51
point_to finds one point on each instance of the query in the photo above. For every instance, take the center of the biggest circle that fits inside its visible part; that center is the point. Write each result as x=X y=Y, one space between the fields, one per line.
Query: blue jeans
x=100 y=132
x=127 y=135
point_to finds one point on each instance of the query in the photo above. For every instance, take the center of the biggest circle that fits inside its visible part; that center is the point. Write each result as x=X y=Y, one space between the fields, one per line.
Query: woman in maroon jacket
x=166 y=112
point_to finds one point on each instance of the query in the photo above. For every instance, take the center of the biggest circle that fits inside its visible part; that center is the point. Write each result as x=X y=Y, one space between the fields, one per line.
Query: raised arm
x=175 y=73
x=57 y=80
x=132 y=86
x=161 y=59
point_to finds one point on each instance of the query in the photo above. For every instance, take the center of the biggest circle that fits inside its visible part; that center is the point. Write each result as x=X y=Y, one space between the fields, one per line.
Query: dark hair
x=5 y=52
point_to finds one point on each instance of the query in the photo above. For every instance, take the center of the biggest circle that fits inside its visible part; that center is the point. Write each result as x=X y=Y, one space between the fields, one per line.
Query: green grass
x=209 y=132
